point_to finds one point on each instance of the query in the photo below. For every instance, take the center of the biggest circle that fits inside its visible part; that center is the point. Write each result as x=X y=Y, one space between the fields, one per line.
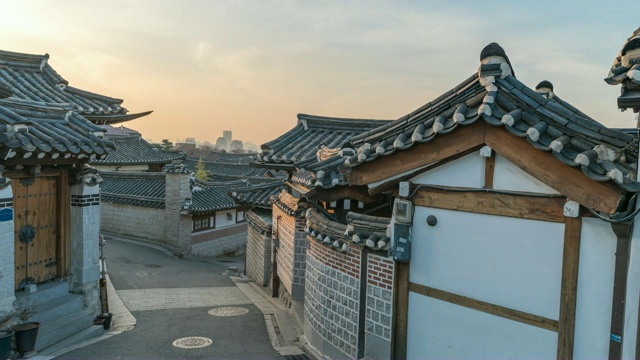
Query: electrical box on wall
x=402 y=242
x=403 y=210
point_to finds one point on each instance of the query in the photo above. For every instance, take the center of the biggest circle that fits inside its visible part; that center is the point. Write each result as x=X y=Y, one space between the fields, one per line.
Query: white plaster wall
x=633 y=288
x=511 y=262
x=445 y=331
x=240 y=215
x=633 y=293
x=508 y=176
x=595 y=286
x=222 y=220
x=467 y=171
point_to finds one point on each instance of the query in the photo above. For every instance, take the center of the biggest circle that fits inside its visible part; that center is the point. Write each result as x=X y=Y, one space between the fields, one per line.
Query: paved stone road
x=180 y=298
x=170 y=299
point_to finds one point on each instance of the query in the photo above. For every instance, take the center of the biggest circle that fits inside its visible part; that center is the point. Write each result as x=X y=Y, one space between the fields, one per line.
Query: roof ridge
x=92 y=94
x=132 y=175
x=12 y=55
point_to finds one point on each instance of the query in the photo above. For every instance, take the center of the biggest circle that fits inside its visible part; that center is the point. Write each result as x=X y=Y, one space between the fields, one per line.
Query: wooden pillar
x=489 y=170
x=623 y=233
x=400 y=312
x=569 y=287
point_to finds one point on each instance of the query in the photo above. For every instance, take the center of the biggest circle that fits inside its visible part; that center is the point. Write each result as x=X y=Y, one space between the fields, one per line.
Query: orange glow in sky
x=251 y=66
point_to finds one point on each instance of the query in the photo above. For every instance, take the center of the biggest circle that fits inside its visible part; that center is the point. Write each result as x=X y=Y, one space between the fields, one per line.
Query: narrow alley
x=171 y=299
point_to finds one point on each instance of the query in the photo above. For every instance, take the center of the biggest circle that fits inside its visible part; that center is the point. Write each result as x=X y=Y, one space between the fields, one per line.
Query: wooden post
x=400 y=312
x=569 y=287
x=623 y=233
x=489 y=170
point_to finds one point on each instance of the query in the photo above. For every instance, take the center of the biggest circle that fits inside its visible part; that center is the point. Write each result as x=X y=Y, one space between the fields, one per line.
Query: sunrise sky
x=251 y=66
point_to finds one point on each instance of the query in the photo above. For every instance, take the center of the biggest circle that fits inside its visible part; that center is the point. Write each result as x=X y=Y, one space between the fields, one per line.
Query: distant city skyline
x=251 y=66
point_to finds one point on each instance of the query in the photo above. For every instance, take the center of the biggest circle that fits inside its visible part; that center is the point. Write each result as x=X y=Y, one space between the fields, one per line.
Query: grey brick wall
x=222 y=245
x=379 y=305
x=258 y=256
x=379 y=296
x=177 y=227
x=140 y=222
x=285 y=227
x=331 y=305
x=84 y=230
x=299 y=253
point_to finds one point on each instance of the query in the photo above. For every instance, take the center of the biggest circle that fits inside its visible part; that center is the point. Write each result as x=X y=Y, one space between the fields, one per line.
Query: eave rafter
x=570 y=181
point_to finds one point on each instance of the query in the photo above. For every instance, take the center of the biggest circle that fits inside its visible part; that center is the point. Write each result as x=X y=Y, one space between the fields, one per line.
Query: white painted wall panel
x=222 y=220
x=510 y=262
x=439 y=330
x=467 y=171
x=633 y=289
x=508 y=176
x=595 y=286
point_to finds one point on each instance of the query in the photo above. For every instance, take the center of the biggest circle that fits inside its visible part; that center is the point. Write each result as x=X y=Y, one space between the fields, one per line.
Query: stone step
x=63 y=327
x=46 y=292
x=57 y=308
x=75 y=341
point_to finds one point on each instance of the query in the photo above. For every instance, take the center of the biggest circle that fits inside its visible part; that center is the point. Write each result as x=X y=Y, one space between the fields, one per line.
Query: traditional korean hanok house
x=313 y=136
x=511 y=223
x=197 y=218
x=220 y=170
x=133 y=153
x=50 y=213
x=219 y=224
x=259 y=248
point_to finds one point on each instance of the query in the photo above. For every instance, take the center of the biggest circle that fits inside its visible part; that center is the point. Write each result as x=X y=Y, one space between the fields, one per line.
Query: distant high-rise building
x=221 y=143
x=227 y=135
x=236 y=145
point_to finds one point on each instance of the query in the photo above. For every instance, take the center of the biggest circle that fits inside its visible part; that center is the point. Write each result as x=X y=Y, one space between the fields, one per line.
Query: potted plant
x=5 y=343
x=26 y=332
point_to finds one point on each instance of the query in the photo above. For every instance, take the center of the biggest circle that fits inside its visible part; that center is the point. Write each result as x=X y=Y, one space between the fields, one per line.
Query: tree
x=201 y=173
x=166 y=144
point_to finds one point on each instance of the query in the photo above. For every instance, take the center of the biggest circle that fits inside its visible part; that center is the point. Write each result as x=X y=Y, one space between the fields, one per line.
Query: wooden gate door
x=36 y=230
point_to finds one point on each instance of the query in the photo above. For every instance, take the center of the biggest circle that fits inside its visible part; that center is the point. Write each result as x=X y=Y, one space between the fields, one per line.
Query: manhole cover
x=122 y=328
x=228 y=311
x=192 y=342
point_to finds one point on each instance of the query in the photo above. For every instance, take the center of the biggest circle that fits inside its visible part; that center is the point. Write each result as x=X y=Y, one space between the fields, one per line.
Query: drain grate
x=192 y=342
x=228 y=311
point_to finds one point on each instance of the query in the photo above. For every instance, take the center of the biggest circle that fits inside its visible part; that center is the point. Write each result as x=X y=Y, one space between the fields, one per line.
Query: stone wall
x=379 y=306
x=284 y=226
x=258 y=256
x=230 y=239
x=177 y=226
x=332 y=300
x=140 y=222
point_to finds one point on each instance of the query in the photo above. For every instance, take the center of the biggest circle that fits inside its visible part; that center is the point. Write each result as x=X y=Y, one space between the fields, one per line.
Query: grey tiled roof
x=30 y=80
x=260 y=220
x=286 y=202
x=625 y=71
x=215 y=197
x=324 y=174
x=47 y=132
x=135 y=189
x=306 y=138
x=546 y=121
x=258 y=195
x=226 y=171
x=363 y=230
x=134 y=150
